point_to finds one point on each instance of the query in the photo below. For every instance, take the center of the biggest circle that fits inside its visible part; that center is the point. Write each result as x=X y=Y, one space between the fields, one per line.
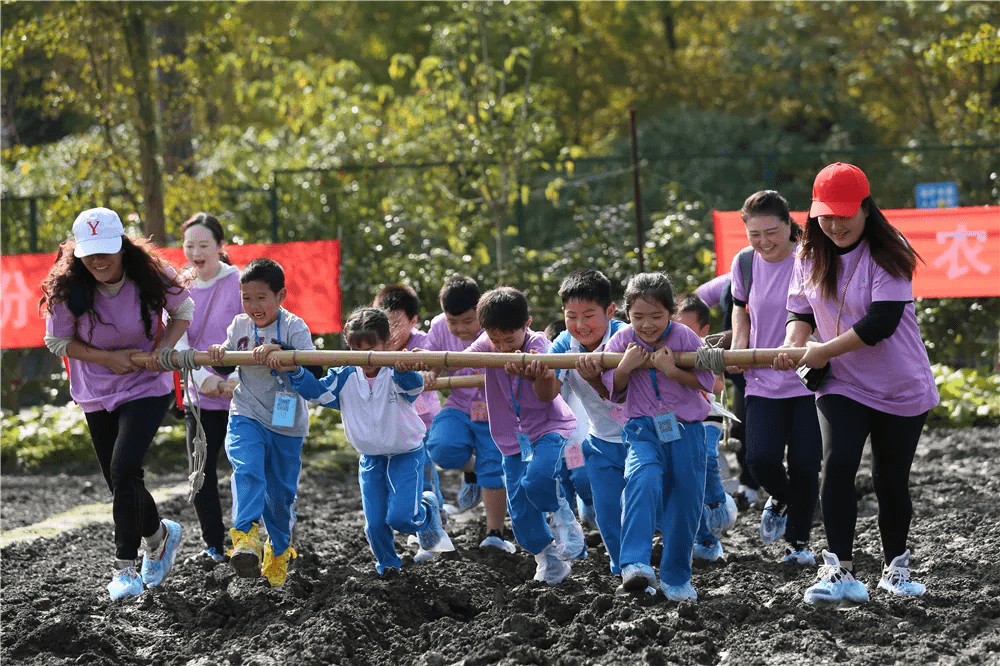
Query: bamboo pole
x=748 y=358
x=460 y=381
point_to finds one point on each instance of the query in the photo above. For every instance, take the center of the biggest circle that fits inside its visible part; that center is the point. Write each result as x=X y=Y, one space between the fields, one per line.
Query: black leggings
x=121 y=439
x=846 y=424
x=772 y=425
x=206 y=502
x=738 y=431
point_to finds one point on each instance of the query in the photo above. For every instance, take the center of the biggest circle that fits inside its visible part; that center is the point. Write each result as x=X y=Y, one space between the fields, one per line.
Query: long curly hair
x=889 y=249
x=69 y=281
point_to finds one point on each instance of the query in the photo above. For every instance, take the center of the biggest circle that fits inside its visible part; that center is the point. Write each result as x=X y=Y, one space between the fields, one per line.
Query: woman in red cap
x=853 y=284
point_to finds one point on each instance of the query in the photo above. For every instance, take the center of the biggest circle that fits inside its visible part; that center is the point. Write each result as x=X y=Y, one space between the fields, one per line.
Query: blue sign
x=937 y=195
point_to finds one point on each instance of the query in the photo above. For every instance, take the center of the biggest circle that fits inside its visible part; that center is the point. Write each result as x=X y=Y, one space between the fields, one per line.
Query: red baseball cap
x=839 y=190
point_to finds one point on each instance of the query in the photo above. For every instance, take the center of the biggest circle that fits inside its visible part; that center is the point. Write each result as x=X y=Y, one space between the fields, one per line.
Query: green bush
x=45 y=435
x=969 y=396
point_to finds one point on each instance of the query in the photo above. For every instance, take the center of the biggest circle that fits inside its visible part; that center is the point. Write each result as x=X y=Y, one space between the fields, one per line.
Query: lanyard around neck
x=652 y=371
x=256 y=334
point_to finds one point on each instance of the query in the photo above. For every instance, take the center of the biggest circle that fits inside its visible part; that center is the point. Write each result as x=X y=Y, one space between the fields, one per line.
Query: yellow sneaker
x=246 y=554
x=276 y=566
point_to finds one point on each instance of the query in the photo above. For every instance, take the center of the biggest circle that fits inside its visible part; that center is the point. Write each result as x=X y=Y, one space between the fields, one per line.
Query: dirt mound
x=473 y=607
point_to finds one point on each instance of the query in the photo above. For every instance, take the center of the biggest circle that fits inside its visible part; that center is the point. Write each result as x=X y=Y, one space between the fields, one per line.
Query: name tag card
x=574 y=455
x=284 y=410
x=666 y=427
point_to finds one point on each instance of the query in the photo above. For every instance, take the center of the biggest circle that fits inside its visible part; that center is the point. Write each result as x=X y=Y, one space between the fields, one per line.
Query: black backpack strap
x=746 y=269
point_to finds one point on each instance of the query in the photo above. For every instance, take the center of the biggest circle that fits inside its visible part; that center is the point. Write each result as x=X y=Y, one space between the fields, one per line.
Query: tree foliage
x=490 y=138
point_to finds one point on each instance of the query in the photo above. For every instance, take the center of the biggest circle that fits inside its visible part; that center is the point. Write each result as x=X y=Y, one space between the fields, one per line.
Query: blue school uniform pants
x=265 y=478
x=663 y=481
x=715 y=492
x=454 y=437
x=533 y=490
x=391 y=489
x=605 y=463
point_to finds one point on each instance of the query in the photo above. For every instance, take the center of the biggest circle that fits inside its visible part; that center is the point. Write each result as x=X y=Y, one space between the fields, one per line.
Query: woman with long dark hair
x=105 y=297
x=853 y=284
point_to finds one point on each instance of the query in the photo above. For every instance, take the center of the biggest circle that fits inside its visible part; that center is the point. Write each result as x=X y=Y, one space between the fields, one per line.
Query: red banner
x=960 y=247
x=312 y=276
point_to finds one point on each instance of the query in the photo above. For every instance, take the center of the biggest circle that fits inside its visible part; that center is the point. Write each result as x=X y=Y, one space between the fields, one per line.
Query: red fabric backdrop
x=312 y=275
x=961 y=247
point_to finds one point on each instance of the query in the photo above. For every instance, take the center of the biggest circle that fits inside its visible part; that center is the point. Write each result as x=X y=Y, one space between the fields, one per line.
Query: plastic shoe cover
x=566 y=530
x=214 y=554
x=424 y=556
x=801 y=556
x=551 y=569
x=495 y=540
x=721 y=517
x=772 y=522
x=709 y=551
x=275 y=567
x=247 y=552
x=588 y=514
x=896 y=578
x=433 y=537
x=126 y=583
x=637 y=577
x=155 y=567
x=679 y=592
x=836 y=586
x=469 y=495
x=749 y=493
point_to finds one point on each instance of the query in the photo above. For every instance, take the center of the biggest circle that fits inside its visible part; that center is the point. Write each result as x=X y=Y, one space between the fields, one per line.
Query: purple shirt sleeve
x=711 y=291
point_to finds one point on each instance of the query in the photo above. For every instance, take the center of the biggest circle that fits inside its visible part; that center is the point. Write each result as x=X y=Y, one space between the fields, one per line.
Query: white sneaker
x=836 y=586
x=551 y=568
x=896 y=578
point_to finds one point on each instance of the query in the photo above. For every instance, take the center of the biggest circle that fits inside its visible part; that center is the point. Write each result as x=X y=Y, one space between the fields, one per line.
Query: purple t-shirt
x=117 y=325
x=711 y=291
x=894 y=375
x=210 y=323
x=688 y=404
x=441 y=339
x=537 y=417
x=766 y=308
x=428 y=403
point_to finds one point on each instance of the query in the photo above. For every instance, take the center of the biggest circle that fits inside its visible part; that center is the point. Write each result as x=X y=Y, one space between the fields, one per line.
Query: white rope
x=199 y=445
x=710 y=358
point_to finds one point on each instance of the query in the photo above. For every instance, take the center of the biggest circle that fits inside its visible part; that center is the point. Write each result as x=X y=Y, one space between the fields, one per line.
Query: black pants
x=121 y=439
x=774 y=425
x=206 y=502
x=738 y=429
x=846 y=424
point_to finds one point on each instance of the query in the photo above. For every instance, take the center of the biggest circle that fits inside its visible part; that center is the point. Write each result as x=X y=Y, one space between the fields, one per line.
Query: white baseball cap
x=97 y=231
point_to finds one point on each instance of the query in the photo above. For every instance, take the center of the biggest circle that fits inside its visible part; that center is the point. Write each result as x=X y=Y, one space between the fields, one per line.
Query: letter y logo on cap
x=93 y=223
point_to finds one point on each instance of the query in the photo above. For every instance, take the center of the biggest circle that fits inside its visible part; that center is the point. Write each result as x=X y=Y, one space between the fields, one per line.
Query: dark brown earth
x=472 y=607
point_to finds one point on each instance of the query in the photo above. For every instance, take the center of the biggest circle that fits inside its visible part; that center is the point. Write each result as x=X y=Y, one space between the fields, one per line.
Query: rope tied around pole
x=199 y=446
x=710 y=358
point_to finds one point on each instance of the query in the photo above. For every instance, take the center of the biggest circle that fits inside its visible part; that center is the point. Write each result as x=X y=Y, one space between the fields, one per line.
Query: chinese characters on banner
x=960 y=247
x=312 y=275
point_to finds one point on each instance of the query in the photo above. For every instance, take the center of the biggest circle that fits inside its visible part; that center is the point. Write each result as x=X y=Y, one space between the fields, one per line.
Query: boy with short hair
x=459 y=438
x=589 y=311
x=529 y=422
x=720 y=508
x=267 y=424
